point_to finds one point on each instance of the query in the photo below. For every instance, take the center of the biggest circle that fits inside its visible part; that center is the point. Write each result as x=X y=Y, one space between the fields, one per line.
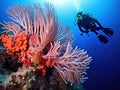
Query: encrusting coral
x=42 y=43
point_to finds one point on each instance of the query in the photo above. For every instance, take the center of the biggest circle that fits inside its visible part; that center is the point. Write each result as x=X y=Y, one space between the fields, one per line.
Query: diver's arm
x=83 y=31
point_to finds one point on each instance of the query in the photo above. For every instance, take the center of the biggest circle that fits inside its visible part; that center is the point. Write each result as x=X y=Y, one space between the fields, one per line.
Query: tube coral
x=42 y=42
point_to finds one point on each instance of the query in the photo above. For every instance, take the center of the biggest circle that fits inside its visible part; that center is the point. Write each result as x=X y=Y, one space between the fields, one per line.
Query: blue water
x=104 y=72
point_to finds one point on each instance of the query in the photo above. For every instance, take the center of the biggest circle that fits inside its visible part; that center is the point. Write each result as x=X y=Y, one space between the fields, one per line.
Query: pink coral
x=72 y=64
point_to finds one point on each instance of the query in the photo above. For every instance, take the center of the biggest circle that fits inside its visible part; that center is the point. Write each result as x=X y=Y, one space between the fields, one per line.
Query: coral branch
x=21 y=15
x=64 y=34
x=72 y=65
x=54 y=51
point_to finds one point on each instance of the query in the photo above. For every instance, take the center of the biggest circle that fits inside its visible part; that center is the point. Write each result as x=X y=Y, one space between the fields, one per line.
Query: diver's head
x=79 y=13
x=79 y=16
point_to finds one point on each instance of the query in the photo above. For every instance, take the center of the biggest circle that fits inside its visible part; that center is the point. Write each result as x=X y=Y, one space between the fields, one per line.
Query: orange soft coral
x=20 y=42
x=7 y=41
x=15 y=44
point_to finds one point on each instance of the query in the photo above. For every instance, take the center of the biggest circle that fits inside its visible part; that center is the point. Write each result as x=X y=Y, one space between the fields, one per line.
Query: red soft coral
x=27 y=62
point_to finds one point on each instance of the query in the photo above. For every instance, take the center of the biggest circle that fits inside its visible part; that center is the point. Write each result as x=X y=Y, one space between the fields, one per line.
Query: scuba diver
x=86 y=23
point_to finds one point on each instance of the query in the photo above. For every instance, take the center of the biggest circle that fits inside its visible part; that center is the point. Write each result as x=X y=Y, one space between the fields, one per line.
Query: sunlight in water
x=62 y=3
x=57 y=2
x=77 y=4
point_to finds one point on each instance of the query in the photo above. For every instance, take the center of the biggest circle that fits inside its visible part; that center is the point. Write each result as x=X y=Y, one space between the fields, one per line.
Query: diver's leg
x=102 y=38
x=97 y=28
x=108 y=31
x=96 y=33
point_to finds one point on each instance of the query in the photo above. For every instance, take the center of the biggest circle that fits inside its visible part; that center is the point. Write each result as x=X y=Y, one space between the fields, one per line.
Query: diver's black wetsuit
x=87 y=24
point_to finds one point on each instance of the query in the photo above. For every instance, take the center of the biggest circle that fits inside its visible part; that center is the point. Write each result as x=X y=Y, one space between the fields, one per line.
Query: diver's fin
x=108 y=31
x=103 y=39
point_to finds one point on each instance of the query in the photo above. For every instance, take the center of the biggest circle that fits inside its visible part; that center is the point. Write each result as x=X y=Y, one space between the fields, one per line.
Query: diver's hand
x=88 y=32
x=81 y=34
x=84 y=32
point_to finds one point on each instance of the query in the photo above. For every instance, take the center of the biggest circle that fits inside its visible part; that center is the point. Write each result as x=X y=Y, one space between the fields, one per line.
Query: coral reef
x=39 y=51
